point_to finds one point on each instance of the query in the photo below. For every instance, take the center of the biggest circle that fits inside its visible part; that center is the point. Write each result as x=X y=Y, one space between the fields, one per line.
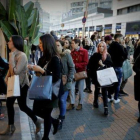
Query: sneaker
x=122 y=93
x=110 y=100
x=70 y=107
x=116 y=101
x=2 y=116
x=79 y=107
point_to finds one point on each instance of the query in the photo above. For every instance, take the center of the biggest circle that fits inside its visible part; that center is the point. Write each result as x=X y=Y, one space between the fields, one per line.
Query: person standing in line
x=80 y=59
x=118 y=55
x=50 y=55
x=99 y=59
x=91 y=50
x=18 y=66
x=108 y=41
x=67 y=70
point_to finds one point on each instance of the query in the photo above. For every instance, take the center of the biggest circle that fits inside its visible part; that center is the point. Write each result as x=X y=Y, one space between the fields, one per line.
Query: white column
x=123 y=28
x=114 y=28
x=103 y=31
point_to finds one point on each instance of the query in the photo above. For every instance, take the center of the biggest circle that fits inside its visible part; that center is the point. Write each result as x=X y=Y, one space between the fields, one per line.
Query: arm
x=123 y=52
x=71 y=67
x=16 y=68
x=84 y=63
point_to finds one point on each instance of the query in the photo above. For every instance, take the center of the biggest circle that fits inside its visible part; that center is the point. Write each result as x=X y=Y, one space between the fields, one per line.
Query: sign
x=62 y=25
x=84 y=20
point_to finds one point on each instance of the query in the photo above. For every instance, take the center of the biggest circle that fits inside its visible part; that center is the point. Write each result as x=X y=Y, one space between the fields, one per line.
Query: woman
x=101 y=59
x=67 y=44
x=80 y=59
x=137 y=51
x=68 y=71
x=50 y=55
x=18 y=66
x=136 y=68
x=91 y=50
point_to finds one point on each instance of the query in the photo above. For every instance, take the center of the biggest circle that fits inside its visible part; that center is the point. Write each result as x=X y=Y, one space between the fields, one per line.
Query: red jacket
x=80 y=59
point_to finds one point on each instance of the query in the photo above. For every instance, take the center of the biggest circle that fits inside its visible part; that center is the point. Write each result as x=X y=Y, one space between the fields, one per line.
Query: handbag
x=13 y=86
x=106 y=77
x=80 y=75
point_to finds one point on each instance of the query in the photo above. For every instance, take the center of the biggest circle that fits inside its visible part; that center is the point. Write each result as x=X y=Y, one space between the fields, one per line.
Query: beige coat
x=18 y=66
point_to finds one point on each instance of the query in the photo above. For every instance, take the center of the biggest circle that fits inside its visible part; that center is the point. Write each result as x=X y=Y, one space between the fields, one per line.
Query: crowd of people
x=66 y=58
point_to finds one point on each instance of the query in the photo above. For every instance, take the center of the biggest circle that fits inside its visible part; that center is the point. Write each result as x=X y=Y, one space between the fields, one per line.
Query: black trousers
x=22 y=105
x=0 y=106
x=104 y=94
x=88 y=82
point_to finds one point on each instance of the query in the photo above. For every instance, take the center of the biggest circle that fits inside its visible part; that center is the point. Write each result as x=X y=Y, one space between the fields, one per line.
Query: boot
x=55 y=123
x=9 y=130
x=106 y=111
x=62 y=118
x=70 y=107
x=38 y=125
x=95 y=104
x=79 y=107
x=45 y=138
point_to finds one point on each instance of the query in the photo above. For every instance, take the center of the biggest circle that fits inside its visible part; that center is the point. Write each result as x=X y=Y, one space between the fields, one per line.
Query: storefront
x=86 y=31
x=133 y=30
x=91 y=30
x=80 y=32
x=118 y=28
x=107 y=29
x=99 y=29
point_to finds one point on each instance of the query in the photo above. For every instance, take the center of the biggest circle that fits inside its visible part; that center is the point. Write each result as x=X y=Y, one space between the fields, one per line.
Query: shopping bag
x=127 y=70
x=40 y=88
x=106 y=77
x=13 y=87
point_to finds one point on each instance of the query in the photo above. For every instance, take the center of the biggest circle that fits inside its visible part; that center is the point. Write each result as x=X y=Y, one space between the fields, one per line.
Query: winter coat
x=94 y=66
x=136 y=68
x=68 y=68
x=80 y=59
x=118 y=54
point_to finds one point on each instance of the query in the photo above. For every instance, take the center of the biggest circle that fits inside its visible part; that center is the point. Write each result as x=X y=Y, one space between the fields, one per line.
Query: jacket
x=80 y=59
x=68 y=69
x=118 y=54
x=136 y=53
x=136 y=68
x=18 y=66
x=93 y=65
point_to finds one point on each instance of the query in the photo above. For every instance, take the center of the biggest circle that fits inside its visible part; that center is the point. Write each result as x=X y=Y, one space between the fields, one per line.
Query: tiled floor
x=91 y=124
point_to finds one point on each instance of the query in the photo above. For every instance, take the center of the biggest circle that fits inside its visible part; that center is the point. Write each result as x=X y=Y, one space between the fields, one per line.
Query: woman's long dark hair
x=18 y=42
x=49 y=46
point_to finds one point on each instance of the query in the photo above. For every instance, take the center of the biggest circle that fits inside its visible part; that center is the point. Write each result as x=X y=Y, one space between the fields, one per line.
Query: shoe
x=38 y=125
x=88 y=90
x=95 y=105
x=106 y=111
x=116 y=101
x=139 y=120
x=2 y=116
x=9 y=130
x=110 y=100
x=85 y=90
x=70 y=107
x=122 y=93
x=62 y=118
x=79 y=107
x=55 y=123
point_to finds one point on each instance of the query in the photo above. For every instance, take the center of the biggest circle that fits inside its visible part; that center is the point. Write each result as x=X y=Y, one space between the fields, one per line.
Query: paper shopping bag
x=13 y=87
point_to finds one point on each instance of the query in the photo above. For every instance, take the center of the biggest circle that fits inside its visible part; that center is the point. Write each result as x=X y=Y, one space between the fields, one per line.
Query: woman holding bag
x=18 y=66
x=51 y=57
x=101 y=59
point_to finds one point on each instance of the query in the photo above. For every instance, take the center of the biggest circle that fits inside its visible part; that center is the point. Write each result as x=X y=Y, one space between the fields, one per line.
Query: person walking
x=99 y=59
x=80 y=59
x=118 y=55
x=18 y=66
x=68 y=71
x=47 y=45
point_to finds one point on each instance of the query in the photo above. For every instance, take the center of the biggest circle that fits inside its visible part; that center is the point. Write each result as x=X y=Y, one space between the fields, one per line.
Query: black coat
x=136 y=53
x=93 y=65
x=136 y=68
x=3 y=70
x=118 y=54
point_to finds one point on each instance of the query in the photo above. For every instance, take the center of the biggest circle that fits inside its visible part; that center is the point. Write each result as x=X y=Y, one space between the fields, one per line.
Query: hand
x=30 y=67
x=36 y=68
x=101 y=63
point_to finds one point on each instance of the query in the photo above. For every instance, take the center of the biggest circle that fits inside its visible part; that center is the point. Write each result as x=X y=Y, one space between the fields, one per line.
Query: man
x=118 y=54
x=3 y=68
x=108 y=40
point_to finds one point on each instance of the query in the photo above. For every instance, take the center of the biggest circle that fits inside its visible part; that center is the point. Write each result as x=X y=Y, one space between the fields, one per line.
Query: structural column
x=123 y=29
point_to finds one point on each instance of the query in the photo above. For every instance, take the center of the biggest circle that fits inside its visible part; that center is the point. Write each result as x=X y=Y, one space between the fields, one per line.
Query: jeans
x=104 y=94
x=80 y=84
x=119 y=74
x=63 y=103
x=22 y=105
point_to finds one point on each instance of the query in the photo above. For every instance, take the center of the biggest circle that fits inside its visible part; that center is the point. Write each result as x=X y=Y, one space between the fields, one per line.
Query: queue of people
x=65 y=59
